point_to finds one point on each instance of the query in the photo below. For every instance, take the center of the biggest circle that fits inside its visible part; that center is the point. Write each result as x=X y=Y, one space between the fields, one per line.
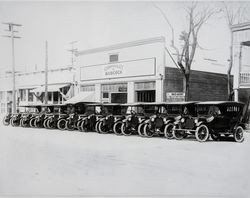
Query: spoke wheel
x=178 y=134
x=202 y=133
x=49 y=124
x=140 y=130
x=70 y=126
x=125 y=130
x=147 y=132
x=61 y=124
x=238 y=134
x=168 y=131
x=102 y=128
x=31 y=122
x=83 y=126
x=45 y=123
x=97 y=127
x=6 y=121
x=117 y=128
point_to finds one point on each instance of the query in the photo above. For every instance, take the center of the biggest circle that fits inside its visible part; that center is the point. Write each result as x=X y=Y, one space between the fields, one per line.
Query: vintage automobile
x=161 y=121
x=30 y=112
x=76 y=115
x=220 y=118
x=185 y=124
x=41 y=116
x=15 y=119
x=59 y=112
x=111 y=113
x=149 y=126
x=135 y=115
x=6 y=119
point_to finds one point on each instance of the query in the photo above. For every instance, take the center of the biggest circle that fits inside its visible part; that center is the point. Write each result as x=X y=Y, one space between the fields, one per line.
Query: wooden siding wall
x=203 y=85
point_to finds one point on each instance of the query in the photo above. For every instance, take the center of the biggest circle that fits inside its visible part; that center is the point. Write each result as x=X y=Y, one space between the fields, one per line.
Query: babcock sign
x=144 y=67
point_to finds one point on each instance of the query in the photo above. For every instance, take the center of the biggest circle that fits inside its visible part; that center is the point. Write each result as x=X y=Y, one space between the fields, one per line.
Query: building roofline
x=122 y=45
x=240 y=27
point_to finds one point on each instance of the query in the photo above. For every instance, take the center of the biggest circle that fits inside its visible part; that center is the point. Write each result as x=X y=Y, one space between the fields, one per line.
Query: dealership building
x=137 y=71
x=141 y=71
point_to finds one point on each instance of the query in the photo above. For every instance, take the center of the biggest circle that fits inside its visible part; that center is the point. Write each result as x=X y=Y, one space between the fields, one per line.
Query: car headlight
x=196 y=121
x=152 y=119
x=164 y=119
x=182 y=120
x=129 y=119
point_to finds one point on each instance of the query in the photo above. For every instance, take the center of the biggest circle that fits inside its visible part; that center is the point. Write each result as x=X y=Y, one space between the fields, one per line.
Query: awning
x=51 y=88
x=86 y=96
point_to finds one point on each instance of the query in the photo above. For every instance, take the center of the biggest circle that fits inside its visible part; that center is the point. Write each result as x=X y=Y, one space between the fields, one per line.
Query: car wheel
x=45 y=123
x=147 y=132
x=6 y=121
x=97 y=127
x=31 y=122
x=70 y=126
x=61 y=124
x=117 y=128
x=83 y=126
x=125 y=130
x=178 y=134
x=215 y=136
x=140 y=130
x=21 y=123
x=202 y=133
x=168 y=131
x=36 y=124
x=238 y=134
x=49 y=124
x=102 y=128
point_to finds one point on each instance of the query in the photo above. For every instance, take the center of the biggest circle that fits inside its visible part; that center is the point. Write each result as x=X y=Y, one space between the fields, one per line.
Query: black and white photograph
x=125 y=99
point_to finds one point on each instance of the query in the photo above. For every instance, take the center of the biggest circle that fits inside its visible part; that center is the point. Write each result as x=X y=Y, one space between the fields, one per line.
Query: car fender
x=167 y=122
x=199 y=123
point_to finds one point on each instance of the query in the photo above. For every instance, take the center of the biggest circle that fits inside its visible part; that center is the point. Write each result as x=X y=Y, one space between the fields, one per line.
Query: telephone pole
x=12 y=36
x=73 y=50
x=46 y=73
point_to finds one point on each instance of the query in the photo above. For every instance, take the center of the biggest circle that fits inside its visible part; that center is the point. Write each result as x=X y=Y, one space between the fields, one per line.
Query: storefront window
x=30 y=96
x=22 y=94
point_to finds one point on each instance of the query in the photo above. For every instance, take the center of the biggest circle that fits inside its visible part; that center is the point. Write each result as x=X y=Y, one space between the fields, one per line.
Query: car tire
x=6 y=121
x=69 y=126
x=83 y=126
x=239 y=134
x=168 y=131
x=178 y=135
x=97 y=127
x=140 y=130
x=49 y=124
x=21 y=123
x=215 y=136
x=45 y=123
x=147 y=132
x=117 y=128
x=124 y=130
x=202 y=133
x=31 y=122
x=61 y=124
x=101 y=128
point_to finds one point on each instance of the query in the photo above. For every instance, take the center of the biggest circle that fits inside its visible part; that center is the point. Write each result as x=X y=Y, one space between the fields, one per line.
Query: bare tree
x=196 y=18
x=234 y=15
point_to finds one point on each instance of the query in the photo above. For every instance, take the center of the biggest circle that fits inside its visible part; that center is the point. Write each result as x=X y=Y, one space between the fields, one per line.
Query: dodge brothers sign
x=144 y=67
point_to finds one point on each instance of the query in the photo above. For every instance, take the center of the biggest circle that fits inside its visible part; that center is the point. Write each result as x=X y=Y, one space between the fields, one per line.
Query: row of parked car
x=172 y=120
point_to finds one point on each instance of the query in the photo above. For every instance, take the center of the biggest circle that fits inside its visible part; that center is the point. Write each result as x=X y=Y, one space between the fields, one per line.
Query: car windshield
x=173 y=109
x=135 y=109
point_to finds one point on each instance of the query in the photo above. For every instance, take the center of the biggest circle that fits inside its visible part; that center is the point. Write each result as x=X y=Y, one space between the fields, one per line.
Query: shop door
x=118 y=97
x=146 y=96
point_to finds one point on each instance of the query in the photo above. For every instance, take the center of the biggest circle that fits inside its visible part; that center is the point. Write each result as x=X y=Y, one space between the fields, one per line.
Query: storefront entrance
x=145 y=91
x=114 y=93
x=146 y=96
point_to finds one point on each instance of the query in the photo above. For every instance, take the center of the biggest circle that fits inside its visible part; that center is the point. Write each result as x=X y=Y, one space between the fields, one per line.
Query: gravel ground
x=41 y=162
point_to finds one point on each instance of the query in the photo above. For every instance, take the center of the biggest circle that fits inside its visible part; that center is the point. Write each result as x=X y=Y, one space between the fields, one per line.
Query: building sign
x=143 y=67
x=175 y=96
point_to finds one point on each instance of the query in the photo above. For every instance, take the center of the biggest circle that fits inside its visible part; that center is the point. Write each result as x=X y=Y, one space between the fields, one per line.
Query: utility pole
x=12 y=36
x=46 y=73
x=73 y=51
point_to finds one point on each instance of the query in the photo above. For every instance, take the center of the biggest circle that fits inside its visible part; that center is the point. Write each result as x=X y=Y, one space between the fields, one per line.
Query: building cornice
x=122 y=45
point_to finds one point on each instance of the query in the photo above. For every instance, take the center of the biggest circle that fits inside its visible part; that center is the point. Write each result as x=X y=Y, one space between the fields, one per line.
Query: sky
x=97 y=24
